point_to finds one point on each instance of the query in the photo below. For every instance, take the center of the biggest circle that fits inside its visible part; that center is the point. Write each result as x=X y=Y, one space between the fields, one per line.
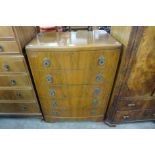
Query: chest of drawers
x=73 y=73
x=17 y=95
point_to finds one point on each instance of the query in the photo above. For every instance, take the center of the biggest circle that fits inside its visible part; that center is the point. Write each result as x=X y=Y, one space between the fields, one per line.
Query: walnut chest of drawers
x=73 y=73
x=17 y=95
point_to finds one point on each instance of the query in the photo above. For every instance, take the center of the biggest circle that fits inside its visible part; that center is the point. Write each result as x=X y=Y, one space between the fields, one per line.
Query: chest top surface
x=71 y=40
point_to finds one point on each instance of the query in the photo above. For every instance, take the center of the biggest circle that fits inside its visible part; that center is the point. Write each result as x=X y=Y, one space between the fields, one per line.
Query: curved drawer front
x=19 y=108
x=60 y=91
x=106 y=59
x=26 y=94
x=9 y=46
x=72 y=77
x=73 y=102
x=9 y=64
x=14 y=80
x=6 y=32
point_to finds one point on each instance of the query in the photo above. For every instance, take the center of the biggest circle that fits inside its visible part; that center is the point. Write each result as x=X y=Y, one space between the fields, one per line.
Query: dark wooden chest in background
x=133 y=96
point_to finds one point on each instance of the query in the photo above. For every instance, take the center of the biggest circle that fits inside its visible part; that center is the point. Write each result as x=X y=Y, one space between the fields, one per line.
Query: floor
x=36 y=123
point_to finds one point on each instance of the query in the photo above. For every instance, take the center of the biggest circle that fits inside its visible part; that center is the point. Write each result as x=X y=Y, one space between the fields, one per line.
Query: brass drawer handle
x=101 y=61
x=131 y=105
x=52 y=92
x=99 y=77
x=95 y=102
x=49 y=78
x=97 y=91
x=55 y=113
x=46 y=62
x=13 y=82
x=18 y=94
x=93 y=112
x=54 y=104
x=125 y=117
x=1 y=49
x=6 y=67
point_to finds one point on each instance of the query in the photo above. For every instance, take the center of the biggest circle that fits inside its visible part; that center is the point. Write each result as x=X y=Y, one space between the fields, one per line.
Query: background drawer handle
x=131 y=105
x=153 y=114
x=52 y=92
x=1 y=49
x=6 y=67
x=46 y=62
x=125 y=117
x=49 y=78
x=18 y=94
x=13 y=82
x=99 y=77
x=101 y=60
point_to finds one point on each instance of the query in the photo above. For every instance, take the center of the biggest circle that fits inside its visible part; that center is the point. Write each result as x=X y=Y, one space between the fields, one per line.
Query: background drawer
x=74 y=60
x=127 y=116
x=12 y=64
x=14 y=80
x=135 y=104
x=62 y=91
x=26 y=94
x=19 y=108
x=9 y=46
x=6 y=32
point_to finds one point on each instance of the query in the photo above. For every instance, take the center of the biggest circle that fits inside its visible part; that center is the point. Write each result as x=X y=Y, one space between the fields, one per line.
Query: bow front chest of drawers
x=17 y=95
x=73 y=73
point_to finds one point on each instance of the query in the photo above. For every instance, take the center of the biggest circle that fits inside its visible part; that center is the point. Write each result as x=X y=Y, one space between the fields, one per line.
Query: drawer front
x=73 y=91
x=27 y=94
x=136 y=104
x=9 y=46
x=72 y=77
x=73 y=112
x=74 y=60
x=14 y=80
x=19 y=108
x=6 y=32
x=10 y=64
x=127 y=116
x=73 y=103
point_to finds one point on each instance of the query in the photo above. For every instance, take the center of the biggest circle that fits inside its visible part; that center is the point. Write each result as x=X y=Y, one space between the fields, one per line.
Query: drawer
x=136 y=115
x=73 y=112
x=136 y=104
x=73 y=103
x=72 y=77
x=19 y=108
x=9 y=46
x=106 y=59
x=62 y=91
x=14 y=80
x=26 y=94
x=6 y=32
x=12 y=63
